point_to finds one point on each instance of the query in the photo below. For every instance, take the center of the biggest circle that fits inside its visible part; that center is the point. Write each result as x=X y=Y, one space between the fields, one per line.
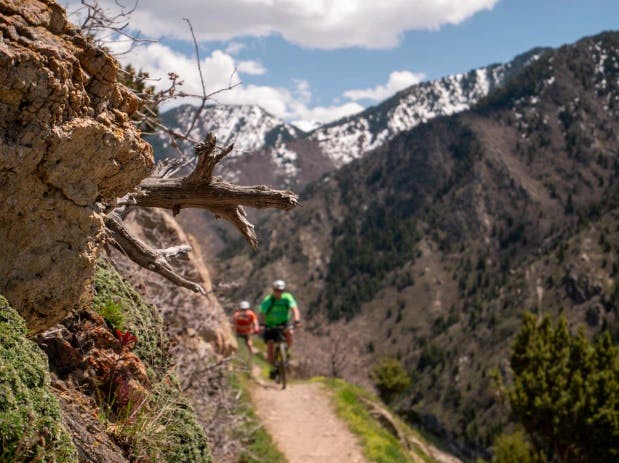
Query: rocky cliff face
x=66 y=143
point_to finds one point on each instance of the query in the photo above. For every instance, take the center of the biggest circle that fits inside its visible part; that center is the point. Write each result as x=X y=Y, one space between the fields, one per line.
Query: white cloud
x=219 y=72
x=234 y=48
x=324 y=24
x=253 y=68
x=310 y=118
x=398 y=80
x=158 y=59
x=302 y=91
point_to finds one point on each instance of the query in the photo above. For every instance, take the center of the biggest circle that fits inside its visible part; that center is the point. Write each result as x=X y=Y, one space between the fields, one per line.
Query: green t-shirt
x=277 y=311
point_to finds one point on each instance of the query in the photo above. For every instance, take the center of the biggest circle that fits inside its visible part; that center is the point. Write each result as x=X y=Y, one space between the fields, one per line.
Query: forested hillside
x=437 y=241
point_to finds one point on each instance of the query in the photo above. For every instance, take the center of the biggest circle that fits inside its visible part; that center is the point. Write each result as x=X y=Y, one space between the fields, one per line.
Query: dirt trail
x=303 y=423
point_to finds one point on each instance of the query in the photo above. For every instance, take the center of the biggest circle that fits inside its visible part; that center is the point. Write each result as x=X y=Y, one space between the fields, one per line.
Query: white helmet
x=279 y=284
x=244 y=305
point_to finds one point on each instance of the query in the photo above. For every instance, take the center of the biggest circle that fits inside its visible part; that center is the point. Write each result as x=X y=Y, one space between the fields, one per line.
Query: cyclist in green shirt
x=278 y=309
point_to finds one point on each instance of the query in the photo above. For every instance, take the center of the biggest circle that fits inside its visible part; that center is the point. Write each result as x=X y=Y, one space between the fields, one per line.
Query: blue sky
x=322 y=59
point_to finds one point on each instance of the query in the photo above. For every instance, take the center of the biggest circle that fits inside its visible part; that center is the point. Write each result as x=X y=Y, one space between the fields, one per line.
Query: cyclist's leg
x=250 y=345
x=288 y=332
x=270 y=351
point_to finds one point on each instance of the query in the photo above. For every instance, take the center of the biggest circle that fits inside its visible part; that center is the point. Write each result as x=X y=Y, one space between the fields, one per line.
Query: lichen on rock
x=66 y=142
x=31 y=427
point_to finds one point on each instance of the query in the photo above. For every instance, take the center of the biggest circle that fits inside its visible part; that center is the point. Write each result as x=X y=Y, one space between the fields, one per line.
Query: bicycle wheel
x=281 y=364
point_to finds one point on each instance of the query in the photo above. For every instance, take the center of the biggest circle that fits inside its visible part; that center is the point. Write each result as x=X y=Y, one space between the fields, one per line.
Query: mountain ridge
x=435 y=242
x=293 y=157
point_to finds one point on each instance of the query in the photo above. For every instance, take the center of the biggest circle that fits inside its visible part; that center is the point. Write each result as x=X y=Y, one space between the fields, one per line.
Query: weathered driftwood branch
x=145 y=256
x=174 y=251
x=201 y=190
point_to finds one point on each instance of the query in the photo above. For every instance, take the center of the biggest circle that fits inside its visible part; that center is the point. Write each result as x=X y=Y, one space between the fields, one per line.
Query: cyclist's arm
x=296 y=315
x=261 y=309
x=256 y=325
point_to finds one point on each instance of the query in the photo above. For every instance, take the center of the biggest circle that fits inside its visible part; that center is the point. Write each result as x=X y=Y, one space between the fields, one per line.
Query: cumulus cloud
x=234 y=48
x=253 y=68
x=219 y=72
x=326 y=24
x=398 y=80
x=310 y=118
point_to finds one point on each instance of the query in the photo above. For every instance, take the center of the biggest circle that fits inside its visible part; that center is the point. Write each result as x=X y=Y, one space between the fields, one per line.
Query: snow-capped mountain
x=249 y=127
x=349 y=138
x=271 y=151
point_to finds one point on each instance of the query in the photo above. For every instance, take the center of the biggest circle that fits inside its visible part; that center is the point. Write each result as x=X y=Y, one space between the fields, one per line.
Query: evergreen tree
x=566 y=391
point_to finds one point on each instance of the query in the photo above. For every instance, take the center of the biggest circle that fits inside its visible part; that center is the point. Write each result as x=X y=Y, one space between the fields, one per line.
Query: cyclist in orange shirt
x=245 y=324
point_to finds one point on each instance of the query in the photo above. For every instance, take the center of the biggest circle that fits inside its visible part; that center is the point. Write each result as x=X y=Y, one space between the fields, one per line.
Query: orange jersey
x=244 y=321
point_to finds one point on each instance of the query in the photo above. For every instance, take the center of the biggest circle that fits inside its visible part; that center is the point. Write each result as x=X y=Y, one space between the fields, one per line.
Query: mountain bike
x=280 y=353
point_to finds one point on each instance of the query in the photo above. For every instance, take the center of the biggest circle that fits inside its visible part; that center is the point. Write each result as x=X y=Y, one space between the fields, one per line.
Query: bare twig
x=204 y=97
x=98 y=20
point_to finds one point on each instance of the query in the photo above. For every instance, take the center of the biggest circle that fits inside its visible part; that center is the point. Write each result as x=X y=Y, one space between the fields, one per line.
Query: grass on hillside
x=378 y=444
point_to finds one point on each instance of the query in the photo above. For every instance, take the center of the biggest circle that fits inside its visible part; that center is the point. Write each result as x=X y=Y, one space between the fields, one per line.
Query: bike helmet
x=279 y=284
x=244 y=305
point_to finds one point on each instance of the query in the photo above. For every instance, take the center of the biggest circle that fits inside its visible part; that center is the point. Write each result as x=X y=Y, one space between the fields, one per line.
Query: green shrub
x=513 y=448
x=390 y=378
x=31 y=426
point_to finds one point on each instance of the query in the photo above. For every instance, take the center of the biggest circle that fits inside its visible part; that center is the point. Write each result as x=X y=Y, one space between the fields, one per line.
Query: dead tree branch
x=201 y=190
x=144 y=255
x=175 y=251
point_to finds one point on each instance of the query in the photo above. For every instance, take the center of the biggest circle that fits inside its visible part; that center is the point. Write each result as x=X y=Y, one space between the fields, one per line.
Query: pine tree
x=566 y=391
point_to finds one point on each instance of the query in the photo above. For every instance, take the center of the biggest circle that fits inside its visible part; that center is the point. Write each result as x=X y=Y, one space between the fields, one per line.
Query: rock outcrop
x=66 y=144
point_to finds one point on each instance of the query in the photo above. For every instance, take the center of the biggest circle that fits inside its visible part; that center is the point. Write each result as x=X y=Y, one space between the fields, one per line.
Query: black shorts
x=243 y=336
x=274 y=333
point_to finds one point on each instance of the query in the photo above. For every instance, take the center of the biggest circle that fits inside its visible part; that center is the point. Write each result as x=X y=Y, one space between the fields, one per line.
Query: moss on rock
x=31 y=427
x=165 y=428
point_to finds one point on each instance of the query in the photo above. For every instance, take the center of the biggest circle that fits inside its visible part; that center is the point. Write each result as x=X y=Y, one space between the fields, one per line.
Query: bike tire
x=281 y=365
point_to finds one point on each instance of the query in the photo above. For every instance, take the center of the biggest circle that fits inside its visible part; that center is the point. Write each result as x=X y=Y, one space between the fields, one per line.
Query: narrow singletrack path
x=303 y=423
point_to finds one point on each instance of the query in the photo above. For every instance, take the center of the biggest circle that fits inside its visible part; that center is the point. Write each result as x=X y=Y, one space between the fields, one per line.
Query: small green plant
x=143 y=320
x=162 y=427
x=390 y=378
x=112 y=312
